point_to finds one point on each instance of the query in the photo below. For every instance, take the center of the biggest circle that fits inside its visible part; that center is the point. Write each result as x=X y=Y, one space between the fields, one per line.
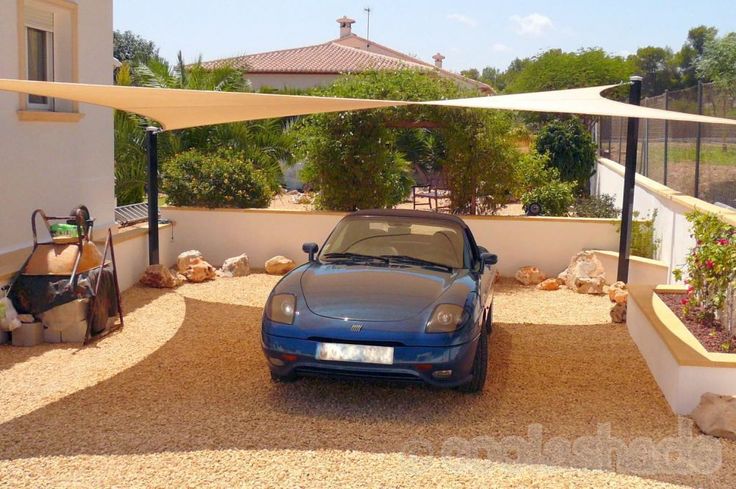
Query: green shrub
x=223 y=179
x=351 y=160
x=531 y=171
x=601 y=206
x=479 y=159
x=571 y=150
x=644 y=242
x=554 y=197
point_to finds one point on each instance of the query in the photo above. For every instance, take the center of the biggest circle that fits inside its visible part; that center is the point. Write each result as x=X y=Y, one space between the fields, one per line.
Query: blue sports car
x=393 y=294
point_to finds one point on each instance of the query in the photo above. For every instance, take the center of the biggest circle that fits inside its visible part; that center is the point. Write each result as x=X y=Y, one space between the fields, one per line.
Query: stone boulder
x=187 y=258
x=236 y=266
x=199 y=271
x=530 y=275
x=160 y=277
x=279 y=265
x=716 y=415
x=618 y=293
x=549 y=284
x=585 y=274
x=618 y=312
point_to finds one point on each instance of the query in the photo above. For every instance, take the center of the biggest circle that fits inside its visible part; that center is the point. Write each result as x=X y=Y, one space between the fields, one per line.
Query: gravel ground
x=181 y=397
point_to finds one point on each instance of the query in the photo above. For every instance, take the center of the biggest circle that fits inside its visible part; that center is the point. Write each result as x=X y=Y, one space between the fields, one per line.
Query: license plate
x=341 y=352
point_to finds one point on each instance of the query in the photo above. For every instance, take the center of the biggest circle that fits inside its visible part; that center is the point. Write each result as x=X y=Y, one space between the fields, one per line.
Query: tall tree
x=127 y=46
x=658 y=67
x=556 y=70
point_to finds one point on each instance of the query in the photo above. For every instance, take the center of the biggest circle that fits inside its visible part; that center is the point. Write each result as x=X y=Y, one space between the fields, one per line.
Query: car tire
x=283 y=379
x=480 y=367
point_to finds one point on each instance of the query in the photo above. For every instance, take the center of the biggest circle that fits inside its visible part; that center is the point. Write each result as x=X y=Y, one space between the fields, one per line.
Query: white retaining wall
x=221 y=233
x=671 y=226
x=682 y=385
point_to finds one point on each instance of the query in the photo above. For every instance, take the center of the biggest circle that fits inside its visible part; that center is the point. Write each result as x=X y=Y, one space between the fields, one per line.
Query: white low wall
x=671 y=226
x=131 y=253
x=219 y=234
x=642 y=271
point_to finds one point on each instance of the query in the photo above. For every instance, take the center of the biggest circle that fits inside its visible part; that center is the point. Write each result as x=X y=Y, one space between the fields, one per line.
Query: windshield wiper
x=354 y=257
x=410 y=260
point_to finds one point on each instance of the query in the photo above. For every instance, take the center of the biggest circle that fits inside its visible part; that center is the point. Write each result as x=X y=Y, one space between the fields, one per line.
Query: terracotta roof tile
x=333 y=57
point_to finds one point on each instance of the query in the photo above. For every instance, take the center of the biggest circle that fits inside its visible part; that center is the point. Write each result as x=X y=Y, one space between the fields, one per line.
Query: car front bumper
x=287 y=356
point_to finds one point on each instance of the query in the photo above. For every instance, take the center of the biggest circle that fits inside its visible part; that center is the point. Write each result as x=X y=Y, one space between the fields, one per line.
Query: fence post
x=666 y=133
x=698 y=136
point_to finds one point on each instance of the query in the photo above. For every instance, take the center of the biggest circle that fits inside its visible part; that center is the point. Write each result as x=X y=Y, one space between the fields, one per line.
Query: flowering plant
x=711 y=269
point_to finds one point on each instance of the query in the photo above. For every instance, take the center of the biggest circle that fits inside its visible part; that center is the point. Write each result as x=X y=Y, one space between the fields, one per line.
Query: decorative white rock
x=187 y=258
x=237 y=266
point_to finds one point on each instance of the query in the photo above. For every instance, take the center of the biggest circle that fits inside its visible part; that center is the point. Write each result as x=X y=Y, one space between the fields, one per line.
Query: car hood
x=372 y=293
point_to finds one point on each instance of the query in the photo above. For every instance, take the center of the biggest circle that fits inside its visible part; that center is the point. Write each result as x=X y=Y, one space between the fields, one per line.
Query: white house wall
x=56 y=165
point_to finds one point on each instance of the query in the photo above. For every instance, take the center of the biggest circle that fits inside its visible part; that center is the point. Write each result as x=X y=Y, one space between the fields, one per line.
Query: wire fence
x=695 y=159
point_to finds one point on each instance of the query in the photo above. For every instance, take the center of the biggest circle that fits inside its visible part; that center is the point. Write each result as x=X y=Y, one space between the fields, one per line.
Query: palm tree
x=266 y=143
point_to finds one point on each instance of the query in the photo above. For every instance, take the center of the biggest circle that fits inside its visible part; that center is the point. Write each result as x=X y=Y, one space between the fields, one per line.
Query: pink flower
x=723 y=241
x=684 y=301
x=690 y=289
x=709 y=264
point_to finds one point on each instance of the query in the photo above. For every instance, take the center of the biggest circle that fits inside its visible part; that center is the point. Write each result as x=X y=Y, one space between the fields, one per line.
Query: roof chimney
x=345 y=26
x=438 y=60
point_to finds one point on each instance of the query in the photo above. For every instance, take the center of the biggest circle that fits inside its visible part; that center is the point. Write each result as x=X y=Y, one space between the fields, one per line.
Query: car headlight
x=282 y=308
x=446 y=318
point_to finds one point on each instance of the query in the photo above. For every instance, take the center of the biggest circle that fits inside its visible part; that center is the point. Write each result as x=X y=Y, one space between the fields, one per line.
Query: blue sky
x=469 y=33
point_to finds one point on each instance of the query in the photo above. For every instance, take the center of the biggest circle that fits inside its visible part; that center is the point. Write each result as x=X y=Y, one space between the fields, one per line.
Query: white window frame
x=63 y=17
x=49 y=105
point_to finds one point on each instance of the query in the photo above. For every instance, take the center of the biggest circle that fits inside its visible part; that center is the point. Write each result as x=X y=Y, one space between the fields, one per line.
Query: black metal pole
x=698 y=136
x=152 y=151
x=666 y=134
x=627 y=209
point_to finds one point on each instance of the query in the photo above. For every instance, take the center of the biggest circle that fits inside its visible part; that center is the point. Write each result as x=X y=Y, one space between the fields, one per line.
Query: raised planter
x=682 y=367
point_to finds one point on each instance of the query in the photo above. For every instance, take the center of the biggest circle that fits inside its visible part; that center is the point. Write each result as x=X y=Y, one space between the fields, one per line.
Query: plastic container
x=74 y=333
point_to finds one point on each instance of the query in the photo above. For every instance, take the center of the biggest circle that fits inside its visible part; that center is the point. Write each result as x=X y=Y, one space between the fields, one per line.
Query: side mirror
x=310 y=248
x=489 y=258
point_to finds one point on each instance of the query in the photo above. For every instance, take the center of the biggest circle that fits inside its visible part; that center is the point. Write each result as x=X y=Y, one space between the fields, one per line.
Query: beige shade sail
x=178 y=109
x=587 y=101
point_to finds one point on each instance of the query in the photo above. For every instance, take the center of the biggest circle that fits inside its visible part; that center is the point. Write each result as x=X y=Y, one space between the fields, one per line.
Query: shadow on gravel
x=208 y=388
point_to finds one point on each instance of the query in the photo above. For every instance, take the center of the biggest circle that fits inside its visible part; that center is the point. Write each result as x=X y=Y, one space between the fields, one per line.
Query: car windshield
x=411 y=241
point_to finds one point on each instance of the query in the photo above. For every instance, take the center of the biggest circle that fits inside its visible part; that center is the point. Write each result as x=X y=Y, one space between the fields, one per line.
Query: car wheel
x=283 y=379
x=480 y=367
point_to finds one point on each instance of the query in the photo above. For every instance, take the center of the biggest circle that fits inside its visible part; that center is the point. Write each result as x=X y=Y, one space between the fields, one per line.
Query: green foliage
x=571 y=150
x=658 y=68
x=556 y=70
x=532 y=170
x=644 y=242
x=718 y=62
x=479 y=159
x=600 y=206
x=360 y=159
x=132 y=47
x=350 y=158
x=554 y=197
x=267 y=143
x=223 y=179
x=711 y=265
